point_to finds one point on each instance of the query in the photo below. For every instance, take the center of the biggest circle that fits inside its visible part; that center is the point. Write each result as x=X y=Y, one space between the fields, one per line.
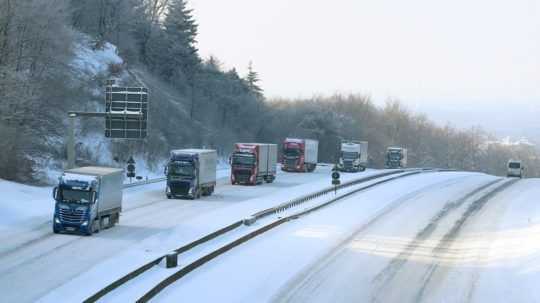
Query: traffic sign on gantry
x=126 y=112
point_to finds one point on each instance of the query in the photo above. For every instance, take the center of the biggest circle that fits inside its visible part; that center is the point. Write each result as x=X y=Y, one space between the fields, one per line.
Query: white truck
x=253 y=163
x=191 y=173
x=88 y=199
x=300 y=155
x=353 y=156
x=515 y=169
x=396 y=157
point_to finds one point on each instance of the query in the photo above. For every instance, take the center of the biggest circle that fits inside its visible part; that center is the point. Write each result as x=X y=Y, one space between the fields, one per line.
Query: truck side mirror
x=94 y=197
x=165 y=170
x=55 y=192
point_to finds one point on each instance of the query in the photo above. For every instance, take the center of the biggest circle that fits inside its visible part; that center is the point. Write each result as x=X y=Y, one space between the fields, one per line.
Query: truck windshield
x=181 y=168
x=77 y=196
x=349 y=155
x=291 y=152
x=394 y=156
x=514 y=165
x=243 y=159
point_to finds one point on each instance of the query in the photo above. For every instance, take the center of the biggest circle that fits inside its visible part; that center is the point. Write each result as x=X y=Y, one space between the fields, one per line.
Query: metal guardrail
x=281 y=207
x=306 y=198
x=214 y=254
x=145 y=182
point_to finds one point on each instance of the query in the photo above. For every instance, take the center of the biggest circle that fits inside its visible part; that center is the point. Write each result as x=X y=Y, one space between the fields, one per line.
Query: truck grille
x=348 y=164
x=72 y=216
x=290 y=163
x=179 y=188
x=242 y=175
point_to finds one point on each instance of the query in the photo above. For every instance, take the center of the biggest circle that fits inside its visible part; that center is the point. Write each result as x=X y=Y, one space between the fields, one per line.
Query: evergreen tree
x=252 y=80
x=180 y=31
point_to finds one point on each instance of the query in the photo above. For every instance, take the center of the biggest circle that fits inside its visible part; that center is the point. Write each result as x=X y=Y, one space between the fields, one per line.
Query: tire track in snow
x=449 y=238
x=383 y=278
x=308 y=276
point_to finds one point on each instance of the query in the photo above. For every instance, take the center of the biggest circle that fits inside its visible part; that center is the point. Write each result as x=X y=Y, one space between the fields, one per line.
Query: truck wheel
x=55 y=230
x=169 y=196
x=115 y=219
x=102 y=224
x=362 y=168
x=96 y=226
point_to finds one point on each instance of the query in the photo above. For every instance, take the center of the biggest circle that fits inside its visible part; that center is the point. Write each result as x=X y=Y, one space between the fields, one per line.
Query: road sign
x=335 y=177
x=127 y=112
x=131 y=168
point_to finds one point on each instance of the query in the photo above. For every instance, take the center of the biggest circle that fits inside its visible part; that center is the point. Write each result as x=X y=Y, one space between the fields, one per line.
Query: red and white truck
x=300 y=155
x=253 y=163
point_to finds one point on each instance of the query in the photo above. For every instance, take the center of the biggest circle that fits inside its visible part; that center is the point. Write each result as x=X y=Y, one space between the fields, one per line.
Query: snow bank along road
x=441 y=237
x=34 y=261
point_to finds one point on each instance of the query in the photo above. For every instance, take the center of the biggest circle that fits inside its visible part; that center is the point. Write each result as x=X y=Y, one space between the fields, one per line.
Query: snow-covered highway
x=28 y=246
x=442 y=237
x=439 y=236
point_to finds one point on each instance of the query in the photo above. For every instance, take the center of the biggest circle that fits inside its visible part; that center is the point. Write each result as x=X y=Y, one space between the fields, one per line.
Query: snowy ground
x=30 y=247
x=435 y=237
x=427 y=238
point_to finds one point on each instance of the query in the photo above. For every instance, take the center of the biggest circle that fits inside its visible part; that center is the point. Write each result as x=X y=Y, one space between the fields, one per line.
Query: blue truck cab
x=87 y=199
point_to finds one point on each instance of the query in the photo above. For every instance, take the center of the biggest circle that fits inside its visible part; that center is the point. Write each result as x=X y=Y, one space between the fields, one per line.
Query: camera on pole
x=130 y=168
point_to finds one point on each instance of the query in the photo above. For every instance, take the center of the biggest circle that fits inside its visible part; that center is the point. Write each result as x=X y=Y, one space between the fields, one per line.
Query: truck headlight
x=56 y=220
x=190 y=190
x=84 y=223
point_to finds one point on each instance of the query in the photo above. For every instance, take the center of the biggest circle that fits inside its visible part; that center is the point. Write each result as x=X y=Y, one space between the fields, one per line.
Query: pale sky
x=415 y=50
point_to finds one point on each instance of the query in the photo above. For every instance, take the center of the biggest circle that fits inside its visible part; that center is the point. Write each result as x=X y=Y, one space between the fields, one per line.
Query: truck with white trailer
x=353 y=156
x=300 y=155
x=191 y=173
x=396 y=157
x=253 y=163
x=88 y=199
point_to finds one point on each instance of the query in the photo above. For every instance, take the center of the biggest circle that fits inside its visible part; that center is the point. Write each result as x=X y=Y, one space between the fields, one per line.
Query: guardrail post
x=171 y=260
x=250 y=220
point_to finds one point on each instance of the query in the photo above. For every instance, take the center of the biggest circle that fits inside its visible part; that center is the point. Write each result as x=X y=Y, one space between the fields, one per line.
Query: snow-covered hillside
x=90 y=61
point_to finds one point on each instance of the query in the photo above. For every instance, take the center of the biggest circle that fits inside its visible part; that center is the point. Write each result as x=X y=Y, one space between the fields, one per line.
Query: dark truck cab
x=87 y=199
x=191 y=173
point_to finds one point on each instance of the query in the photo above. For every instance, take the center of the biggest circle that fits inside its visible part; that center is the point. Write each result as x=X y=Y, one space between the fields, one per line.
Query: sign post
x=335 y=179
x=126 y=116
x=130 y=169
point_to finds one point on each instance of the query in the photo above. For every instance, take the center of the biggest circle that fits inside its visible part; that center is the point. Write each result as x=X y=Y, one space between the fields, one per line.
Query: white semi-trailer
x=353 y=156
x=191 y=173
x=88 y=199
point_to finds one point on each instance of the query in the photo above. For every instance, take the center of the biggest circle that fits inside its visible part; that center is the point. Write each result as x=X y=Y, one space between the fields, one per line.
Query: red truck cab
x=299 y=155
x=253 y=163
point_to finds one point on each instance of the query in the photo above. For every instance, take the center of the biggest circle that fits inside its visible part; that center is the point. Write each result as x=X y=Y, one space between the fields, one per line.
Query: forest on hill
x=194 y=101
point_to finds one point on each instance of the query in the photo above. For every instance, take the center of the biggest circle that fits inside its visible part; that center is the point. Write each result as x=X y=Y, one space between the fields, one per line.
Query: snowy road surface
x=445 y=237
x=435 y=237
x=29 y=247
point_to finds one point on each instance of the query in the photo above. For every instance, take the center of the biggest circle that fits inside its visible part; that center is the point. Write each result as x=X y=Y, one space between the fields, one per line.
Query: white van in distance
x=514 y=169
